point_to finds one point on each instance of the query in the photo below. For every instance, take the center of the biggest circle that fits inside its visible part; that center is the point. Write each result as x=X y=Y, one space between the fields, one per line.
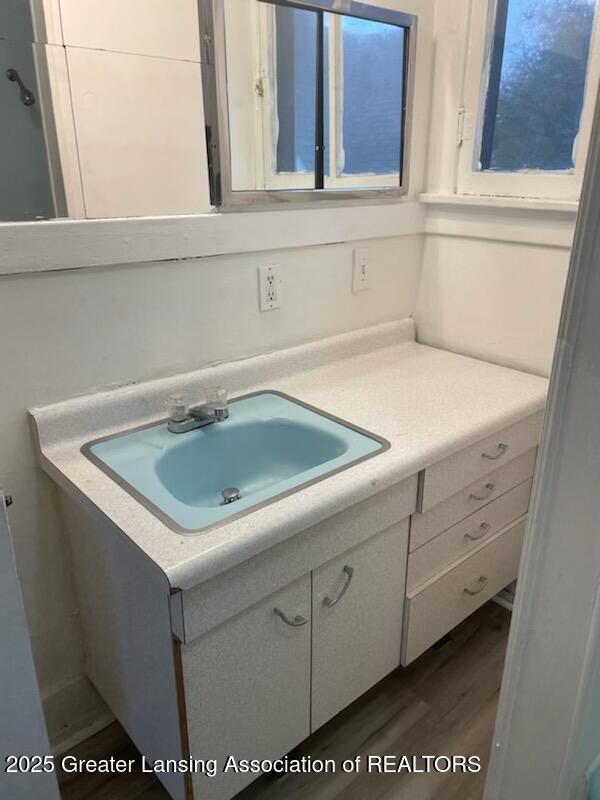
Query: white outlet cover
x=361 y=269
x=269 y=287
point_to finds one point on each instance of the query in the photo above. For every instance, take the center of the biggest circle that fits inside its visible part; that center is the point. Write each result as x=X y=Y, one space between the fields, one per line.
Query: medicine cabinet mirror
x=306 y=100
x=202 y=103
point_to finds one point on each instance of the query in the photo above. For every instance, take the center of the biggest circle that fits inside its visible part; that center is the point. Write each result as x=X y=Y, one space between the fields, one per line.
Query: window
x=296 y=92
x=528 y=136
x=537 y=83
x=319 y=97
x=304 y=103
x=372 y=99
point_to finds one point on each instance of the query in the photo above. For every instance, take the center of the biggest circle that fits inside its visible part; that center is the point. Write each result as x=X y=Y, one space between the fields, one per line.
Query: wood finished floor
x=443 y=704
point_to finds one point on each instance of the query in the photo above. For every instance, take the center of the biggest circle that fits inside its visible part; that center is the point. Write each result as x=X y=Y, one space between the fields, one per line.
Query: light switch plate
x=361 y=271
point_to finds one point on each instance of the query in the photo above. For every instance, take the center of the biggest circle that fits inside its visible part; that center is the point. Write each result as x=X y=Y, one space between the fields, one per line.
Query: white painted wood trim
x=72 y=244
x=64 y=155
x=493 y=201
x=520 y=225
x=47 y=25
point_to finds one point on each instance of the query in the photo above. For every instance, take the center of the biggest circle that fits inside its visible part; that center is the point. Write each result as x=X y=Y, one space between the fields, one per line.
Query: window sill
x=491 y=202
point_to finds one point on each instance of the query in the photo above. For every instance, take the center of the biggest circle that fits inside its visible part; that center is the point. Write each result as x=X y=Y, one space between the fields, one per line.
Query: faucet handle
x=178 y=408
x=216 y=395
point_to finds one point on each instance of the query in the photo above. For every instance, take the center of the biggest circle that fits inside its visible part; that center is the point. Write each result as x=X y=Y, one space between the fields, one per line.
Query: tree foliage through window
x=540 y=84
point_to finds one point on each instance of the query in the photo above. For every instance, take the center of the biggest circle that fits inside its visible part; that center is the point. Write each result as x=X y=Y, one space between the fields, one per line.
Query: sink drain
x=230 y=495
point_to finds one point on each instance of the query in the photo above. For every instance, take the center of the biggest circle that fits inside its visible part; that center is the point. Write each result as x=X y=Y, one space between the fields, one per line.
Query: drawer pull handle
x=502 y=450
x=349 y=572
x=481 y=584
x=297 y=622
x=484 y=528
x=490 y=489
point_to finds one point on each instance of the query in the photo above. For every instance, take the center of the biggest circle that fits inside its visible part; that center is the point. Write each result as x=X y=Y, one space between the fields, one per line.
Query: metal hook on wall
x=27 y=97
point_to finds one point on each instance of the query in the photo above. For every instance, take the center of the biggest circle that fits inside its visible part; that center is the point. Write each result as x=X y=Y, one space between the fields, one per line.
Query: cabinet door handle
x=490 y=489
x=481 y=584
x=297 y=622
x=475 y=537
x=502 y=450
x=348 y=572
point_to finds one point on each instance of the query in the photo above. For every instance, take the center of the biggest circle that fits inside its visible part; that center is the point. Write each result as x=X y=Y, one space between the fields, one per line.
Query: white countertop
x=427 y=403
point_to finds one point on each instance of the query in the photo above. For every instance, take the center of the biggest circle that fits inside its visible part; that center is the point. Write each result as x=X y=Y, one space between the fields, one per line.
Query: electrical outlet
x=361 y=271
x=269 y=287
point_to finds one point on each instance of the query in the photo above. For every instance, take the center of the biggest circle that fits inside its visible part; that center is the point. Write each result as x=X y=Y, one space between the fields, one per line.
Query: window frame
x=549 y=185
x=266 y=127
x=361 y=187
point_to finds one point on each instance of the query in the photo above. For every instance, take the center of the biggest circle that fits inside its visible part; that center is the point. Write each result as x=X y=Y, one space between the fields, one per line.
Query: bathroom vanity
x=245 y=637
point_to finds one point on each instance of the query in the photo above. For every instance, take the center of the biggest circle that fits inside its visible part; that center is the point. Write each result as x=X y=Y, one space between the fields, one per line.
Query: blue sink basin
x=270 y=446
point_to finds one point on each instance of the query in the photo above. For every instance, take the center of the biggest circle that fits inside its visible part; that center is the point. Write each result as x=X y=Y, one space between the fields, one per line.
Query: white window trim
x=338 y=180
x=539 y=184
x=266 y=122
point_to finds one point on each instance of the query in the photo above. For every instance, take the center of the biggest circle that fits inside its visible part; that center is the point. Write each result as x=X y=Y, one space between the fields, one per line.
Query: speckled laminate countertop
x=428 y=403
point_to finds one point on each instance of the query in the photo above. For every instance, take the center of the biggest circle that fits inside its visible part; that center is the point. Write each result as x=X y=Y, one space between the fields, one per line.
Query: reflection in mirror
x=28 y=192
x=105 y=121
x=311 y=100
x=294 y=123
x=370 y=137
x=101 y=120
x=272 y=84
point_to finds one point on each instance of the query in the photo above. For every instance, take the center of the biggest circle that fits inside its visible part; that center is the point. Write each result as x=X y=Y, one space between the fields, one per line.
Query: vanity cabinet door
x=358 y=601
x=247 y=687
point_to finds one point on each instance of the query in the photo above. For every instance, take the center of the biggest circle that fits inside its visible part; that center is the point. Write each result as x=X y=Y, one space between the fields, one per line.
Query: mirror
x=306 y=102
x=102 y=114
x=109 y=112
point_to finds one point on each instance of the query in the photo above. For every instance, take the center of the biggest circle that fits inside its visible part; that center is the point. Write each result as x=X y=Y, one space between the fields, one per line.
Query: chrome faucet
x=183 y=419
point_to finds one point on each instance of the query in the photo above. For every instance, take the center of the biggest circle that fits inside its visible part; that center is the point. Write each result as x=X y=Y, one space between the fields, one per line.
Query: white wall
x=494 y=271
x=495 y=300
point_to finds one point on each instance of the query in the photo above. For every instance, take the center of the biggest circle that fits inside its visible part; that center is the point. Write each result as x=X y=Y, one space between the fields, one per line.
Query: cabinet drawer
x=357 y=610
x=428 y=525
x=458 y=592
x=466 y=535
x=449 y=476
